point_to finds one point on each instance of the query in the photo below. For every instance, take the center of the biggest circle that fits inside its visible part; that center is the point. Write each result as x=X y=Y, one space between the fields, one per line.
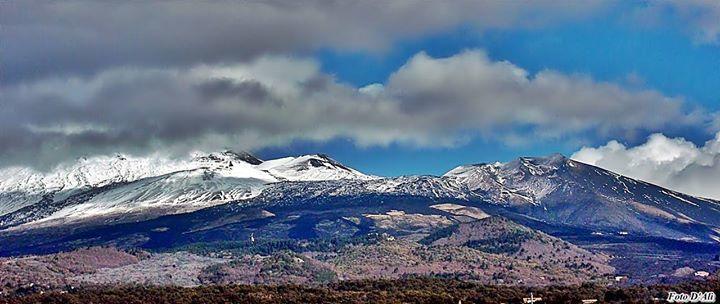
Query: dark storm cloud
x=44 y=38
x=82 y=37
x=228 y=88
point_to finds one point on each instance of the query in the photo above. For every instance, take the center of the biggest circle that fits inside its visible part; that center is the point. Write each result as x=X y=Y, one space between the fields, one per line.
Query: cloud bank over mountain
x=428 y=102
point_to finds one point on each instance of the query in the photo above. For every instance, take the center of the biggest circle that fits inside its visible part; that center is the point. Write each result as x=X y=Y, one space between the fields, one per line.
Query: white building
x=702 y=274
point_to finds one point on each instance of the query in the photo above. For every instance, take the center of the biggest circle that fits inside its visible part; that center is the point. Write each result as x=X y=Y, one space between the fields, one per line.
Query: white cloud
x=674 y=163
x=471 y=91
x=273 y=100
x=701 y=18
x=374 y=89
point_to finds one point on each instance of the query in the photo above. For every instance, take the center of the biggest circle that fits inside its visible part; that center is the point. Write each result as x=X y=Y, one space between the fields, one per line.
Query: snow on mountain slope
x=106 y=185
x=20 y=187
x=310 y=168
x=176 y=192
x=560 y=190
x=551 y=189
x=287 y=193
x=519 y=182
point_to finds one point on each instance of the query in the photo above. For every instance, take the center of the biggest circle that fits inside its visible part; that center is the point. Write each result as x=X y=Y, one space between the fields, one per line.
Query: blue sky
x=462 y=81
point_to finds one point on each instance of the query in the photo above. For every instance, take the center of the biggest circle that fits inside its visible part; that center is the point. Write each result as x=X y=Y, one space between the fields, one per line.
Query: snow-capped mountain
x=519 y=182
x=554 y=190
x=154 y=185
x=560 y=190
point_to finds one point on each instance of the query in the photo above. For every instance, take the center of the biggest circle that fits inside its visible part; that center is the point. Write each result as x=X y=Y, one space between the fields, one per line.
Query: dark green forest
x=420 y=290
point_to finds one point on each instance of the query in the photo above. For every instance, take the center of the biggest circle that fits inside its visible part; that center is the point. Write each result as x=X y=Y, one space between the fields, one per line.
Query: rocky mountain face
x=563 y=191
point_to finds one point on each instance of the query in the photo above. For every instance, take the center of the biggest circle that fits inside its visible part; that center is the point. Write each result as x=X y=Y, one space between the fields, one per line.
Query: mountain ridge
x=552 y=189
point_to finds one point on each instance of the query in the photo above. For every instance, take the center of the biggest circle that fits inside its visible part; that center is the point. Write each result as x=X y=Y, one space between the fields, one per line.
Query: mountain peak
x=553 y=159
x=310 y=167
x=537 y=164
x=244 y=156
x=327 y=159
x=229 y=156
